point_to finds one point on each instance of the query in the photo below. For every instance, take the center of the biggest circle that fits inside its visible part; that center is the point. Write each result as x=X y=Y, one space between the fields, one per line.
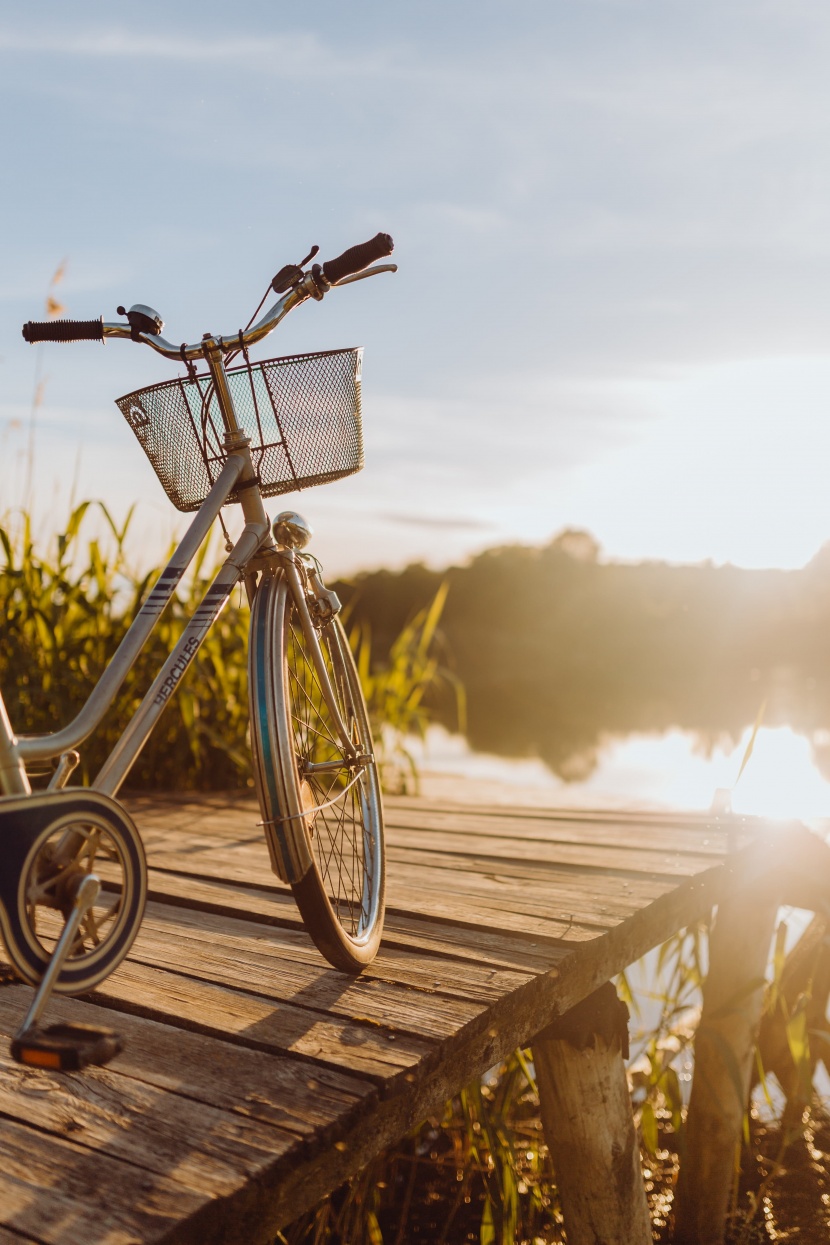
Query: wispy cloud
x=438 y=522
x=300 y=55
x=125 y=43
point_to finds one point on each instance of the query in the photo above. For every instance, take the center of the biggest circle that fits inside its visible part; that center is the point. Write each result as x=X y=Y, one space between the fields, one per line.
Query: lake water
x=671 y=770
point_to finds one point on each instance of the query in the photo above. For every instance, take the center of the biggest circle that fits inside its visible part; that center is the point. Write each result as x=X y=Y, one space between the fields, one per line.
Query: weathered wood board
x=255 y=1077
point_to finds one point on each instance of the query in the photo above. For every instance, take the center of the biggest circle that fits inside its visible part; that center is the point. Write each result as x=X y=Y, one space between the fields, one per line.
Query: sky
x=612 y=225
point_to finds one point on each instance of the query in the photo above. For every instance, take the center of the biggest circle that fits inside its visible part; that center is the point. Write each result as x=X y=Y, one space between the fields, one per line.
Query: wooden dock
x=255 y=1078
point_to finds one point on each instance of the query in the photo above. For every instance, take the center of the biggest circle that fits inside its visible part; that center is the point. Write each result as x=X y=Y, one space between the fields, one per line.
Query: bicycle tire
x=324 y=827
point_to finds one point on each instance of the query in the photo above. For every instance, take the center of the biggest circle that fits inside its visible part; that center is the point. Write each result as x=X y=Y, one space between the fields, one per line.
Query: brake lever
x=367 y=272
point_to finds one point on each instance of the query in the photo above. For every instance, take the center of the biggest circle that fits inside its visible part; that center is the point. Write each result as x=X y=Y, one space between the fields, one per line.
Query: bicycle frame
x=254 y=540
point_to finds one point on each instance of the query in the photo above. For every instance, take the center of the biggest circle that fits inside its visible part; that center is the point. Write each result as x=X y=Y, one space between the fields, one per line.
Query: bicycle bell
x=143 y=319
x=291 y=530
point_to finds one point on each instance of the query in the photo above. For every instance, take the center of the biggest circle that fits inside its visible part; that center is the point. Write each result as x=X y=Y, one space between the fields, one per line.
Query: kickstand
x=64 y=1047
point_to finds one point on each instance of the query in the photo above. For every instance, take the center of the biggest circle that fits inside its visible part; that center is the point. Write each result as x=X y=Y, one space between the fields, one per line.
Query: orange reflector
x=41 y=1058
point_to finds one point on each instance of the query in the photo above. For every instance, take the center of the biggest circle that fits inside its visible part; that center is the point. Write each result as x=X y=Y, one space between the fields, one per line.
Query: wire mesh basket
x=302 y=413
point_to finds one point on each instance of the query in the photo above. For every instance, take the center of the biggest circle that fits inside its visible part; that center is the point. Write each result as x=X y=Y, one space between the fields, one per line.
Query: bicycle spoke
x=335 y=835
x=334 y=852
x=302 y=717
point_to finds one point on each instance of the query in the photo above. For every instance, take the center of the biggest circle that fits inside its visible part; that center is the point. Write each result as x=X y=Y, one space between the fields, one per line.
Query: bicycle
x=73 y=882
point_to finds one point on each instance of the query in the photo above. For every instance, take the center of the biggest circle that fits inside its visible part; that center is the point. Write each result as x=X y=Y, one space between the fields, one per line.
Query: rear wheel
x=322 y=801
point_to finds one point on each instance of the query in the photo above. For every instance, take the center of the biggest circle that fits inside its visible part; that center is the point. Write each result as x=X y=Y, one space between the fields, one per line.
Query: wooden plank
x=556 y=888
x=490 y=913
x=246 y=956
x=424 y=889
x=506 y=908
x=434 y=942
x=260 y=1023
x=62 y=1193
x=213 y=851
x=235 y=809
x=418 y=882
x=698 y=834
x=189 y=807
x=174 y=848
x=299 y=1100
x=211 y=1151
x=636 y=816
x=537 y=873
x=215 y=831
x=501 y=949
x=544 y=884
x=257 y=1022
x=633 y=821
x=615 y=837
x=413 y=890
x=474 y=982
x=659 y=862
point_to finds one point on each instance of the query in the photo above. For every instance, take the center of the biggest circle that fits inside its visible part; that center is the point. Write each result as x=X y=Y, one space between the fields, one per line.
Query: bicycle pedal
x=65 y=1047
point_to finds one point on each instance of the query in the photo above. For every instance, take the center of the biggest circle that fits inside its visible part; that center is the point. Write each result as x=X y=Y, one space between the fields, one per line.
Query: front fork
x=325 y=604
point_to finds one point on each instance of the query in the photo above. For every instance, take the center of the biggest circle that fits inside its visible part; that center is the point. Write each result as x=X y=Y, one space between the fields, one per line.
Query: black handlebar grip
x=358 y=257
x=64 y=330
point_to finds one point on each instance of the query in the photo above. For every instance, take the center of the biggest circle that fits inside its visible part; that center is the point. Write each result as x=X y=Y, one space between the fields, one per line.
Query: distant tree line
x=557 y=648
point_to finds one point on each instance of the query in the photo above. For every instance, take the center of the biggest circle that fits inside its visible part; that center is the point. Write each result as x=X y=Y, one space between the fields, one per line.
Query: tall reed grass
x=67 y=606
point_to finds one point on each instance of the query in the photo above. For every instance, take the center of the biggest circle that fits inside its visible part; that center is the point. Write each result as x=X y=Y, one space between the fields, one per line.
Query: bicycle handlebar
x=358 y=257
x=64 y=330
x=348 y=267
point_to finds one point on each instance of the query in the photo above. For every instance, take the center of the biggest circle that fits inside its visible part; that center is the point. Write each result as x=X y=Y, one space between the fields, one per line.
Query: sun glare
x=782 y=778
x=780 y=781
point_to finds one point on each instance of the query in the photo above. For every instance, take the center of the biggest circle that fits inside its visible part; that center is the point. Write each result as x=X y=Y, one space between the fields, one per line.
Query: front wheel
x=321 y=801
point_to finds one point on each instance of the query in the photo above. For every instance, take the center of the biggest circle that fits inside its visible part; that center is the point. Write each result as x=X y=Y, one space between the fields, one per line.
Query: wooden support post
x=733 y=997
x=589 y=1128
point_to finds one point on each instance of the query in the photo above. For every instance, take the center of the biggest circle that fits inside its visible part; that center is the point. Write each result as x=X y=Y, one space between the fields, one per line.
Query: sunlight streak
x=672 y=770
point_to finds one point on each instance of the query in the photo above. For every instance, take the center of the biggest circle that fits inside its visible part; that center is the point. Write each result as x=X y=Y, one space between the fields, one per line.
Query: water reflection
x=673 y=769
